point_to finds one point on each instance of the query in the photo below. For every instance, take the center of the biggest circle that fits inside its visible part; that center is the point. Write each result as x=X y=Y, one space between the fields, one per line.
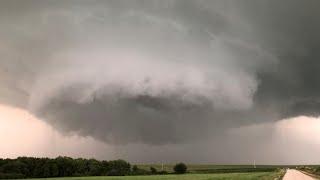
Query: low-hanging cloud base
x=288 y=141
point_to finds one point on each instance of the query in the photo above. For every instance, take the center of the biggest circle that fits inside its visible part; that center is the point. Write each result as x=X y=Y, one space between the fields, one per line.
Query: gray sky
x=163 y=75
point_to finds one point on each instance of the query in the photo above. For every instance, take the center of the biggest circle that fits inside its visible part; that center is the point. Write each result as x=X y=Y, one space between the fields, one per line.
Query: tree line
x=30 y=167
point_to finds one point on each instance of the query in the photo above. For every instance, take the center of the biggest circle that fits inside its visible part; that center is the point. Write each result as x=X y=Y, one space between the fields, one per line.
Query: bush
x=163 y=172
x=180 y=168
x=138 y=171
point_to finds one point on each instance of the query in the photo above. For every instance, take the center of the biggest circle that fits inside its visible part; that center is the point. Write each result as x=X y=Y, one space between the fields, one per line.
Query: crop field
x=223 y=176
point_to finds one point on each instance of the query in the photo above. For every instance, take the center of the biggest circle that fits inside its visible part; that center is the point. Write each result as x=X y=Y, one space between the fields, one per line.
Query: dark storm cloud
x=159 y=71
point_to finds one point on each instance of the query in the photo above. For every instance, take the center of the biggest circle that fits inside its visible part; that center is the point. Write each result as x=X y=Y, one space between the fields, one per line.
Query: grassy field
x=203 y=168
x=201 y=172
x=224 y=176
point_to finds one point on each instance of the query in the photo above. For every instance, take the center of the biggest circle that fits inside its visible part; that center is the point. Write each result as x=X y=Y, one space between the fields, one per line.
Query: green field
x=209 y=168
x=224 y=176
x=201 y=172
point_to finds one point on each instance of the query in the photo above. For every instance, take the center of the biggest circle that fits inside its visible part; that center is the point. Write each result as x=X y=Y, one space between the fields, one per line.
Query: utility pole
x=254 y=164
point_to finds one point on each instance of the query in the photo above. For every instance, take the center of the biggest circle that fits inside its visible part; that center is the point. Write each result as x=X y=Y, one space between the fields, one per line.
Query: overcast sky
x=151 y=81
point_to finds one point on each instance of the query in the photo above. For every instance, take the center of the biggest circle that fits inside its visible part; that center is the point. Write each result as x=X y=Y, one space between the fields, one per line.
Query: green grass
x=201 y=172
x=224 y=176
x=208 y=168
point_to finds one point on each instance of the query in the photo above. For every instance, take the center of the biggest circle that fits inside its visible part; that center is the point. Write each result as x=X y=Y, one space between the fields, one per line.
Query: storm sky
x=165 y=77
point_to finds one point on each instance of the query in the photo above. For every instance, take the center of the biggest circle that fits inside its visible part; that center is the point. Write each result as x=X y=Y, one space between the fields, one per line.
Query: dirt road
x=292 y=174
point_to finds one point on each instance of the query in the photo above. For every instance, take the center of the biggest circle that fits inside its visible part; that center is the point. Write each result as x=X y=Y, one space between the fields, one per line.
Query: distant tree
x=65 y=166
x=29 y=167
x=95 y=167
x=54 y=171
x=41 y=169
x=46 y=170
x=81 y=167
x=135 y=168
x=15 y=167
x=105 y=168
x=2 y=162
x=30 y=163
x=119 y=168
x=180 y=168
x=153 y=170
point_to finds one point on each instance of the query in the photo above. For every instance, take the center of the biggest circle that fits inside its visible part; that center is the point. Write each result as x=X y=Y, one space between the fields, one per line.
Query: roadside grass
x=311 y=170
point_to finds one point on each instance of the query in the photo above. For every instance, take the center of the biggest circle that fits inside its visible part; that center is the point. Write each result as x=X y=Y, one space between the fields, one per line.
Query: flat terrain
x=191 y=167
x=209 y=168
x=223 y=176
x=293 y=174
x=201 y=172
x=204 y=166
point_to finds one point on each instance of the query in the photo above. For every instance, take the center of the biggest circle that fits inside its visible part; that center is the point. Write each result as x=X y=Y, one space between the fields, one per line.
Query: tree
x=153 y=170
x=119 y=168
x=95 y=167
x=180 y=168
x=65 y=166
x=105 y=167
x=29 y=167
x=81 y=167
x=16 y=167
x=135 y=168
